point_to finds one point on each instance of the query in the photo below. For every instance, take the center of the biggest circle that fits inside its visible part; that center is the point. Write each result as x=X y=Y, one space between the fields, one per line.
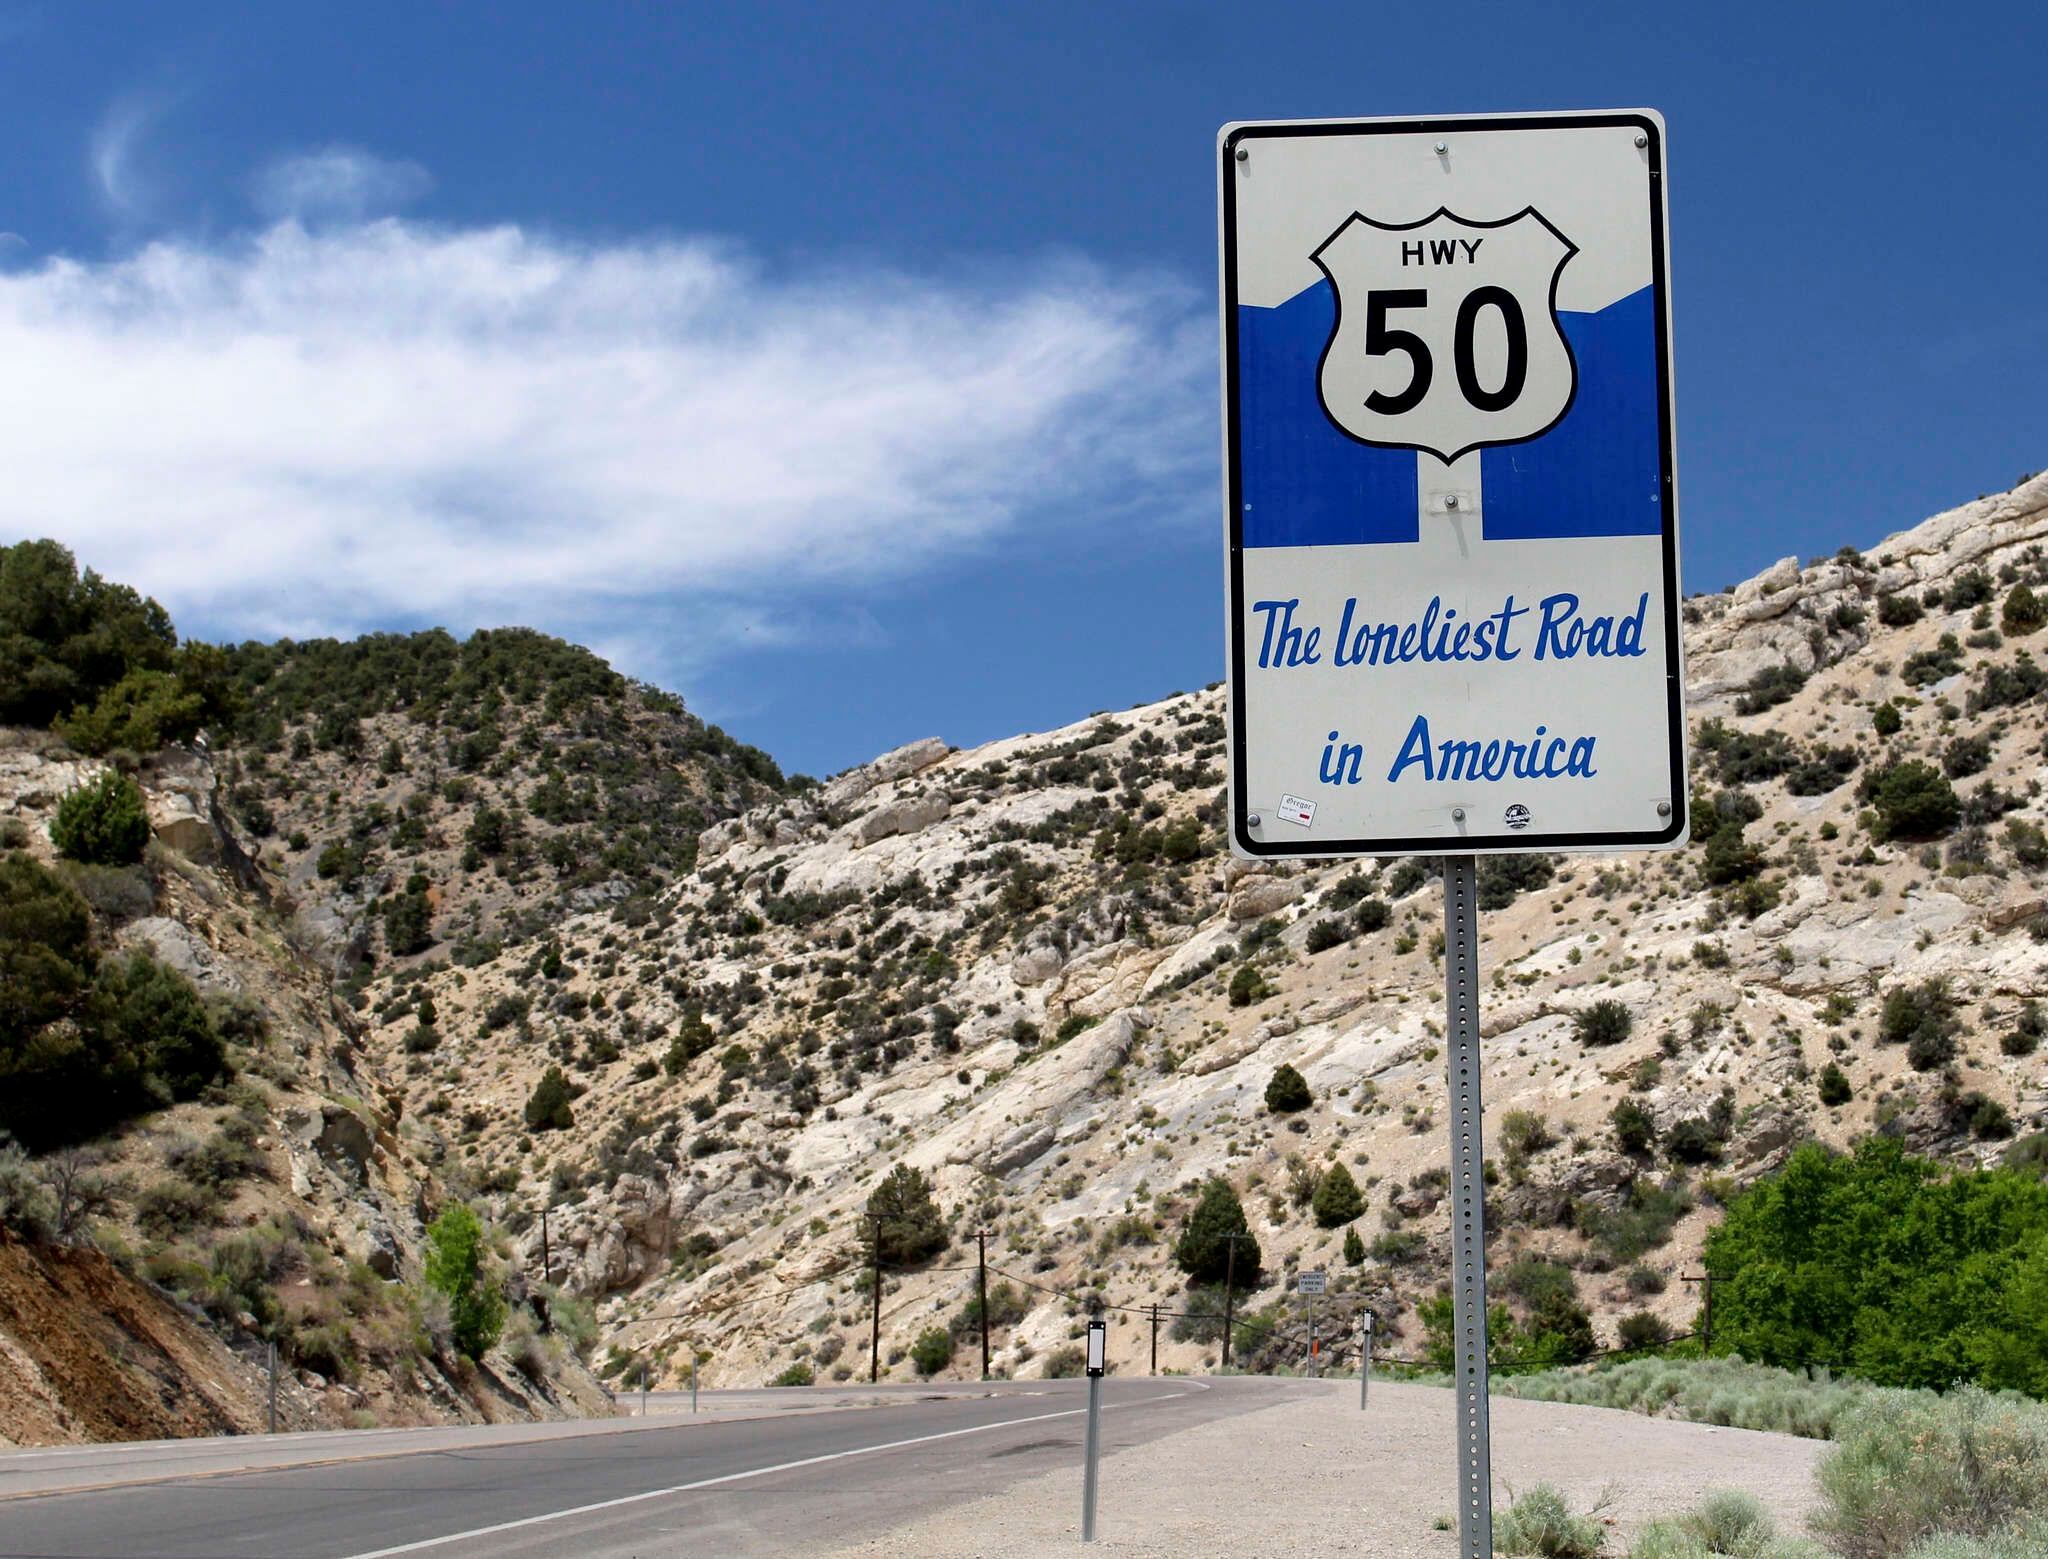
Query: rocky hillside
x=1030 y=970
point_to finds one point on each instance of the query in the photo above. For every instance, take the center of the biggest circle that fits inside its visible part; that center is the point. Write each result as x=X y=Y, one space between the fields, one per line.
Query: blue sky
x=852 y=369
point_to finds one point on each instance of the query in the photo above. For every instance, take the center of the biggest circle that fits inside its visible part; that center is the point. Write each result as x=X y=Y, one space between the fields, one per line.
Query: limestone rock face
x=1257 y=897
x=907 y=816
x=172 y=944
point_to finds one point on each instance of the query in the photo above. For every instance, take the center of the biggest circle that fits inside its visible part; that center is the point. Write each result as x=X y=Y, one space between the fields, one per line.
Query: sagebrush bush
x=1539 y=1522
x=1914 y=1466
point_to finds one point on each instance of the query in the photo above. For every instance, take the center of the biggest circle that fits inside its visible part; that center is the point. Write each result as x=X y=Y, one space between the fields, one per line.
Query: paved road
x=664 y=1485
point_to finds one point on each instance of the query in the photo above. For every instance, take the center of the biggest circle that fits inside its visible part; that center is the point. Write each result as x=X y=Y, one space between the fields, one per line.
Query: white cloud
x=116 y=151
x=386 y=423
x=338 y=182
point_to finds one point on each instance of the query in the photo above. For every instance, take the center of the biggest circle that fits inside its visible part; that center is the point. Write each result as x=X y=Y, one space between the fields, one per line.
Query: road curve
x=771 y=1482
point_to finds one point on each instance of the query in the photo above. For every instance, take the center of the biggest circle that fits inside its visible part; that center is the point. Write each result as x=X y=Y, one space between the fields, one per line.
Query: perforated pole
x=1468 y=1205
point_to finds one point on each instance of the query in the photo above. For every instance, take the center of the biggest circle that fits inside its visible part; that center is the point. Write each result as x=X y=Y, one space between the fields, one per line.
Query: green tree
x=1203 y=1249
x=1886 y=720
x=145 y=710
x=1834 y=1085
x=692 y=1038
x=408 y=920
x=102 y=822
x=66 y=638
x=903 y=1215
x=1287 y=1091
x=152 y=1013
x=455 y=1267
x=1886 y=1265
x=1354 y=1249
x=2024 y=612
x=547 y=1109
x=1337 y=1200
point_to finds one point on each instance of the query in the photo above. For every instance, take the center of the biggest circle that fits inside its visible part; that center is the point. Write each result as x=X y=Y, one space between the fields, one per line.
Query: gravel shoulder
x=1317 y=1475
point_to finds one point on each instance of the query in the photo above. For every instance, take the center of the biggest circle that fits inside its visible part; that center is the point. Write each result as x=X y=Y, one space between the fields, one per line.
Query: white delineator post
x=1098 y=1354
x=1468 y=1205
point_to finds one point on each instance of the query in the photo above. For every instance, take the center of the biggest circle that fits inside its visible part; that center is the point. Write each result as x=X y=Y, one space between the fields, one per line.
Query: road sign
x=1313 y=1282
x=1452 y=507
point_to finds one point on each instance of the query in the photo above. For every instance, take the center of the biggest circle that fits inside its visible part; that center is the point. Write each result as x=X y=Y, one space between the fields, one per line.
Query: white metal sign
x=1314 y=1282
x=1452 y=505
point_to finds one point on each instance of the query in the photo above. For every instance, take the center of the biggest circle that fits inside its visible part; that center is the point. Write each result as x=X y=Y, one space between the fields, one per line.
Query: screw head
x=1663 y=809
x=1252 y=821
x=1451 y=502
x=1244 y=154
x=1443 y=148
x=1457 y=814
x=1642 y=140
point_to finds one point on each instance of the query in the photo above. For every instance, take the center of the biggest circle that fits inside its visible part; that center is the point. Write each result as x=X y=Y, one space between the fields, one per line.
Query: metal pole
x=1312 y=1336
x=273 y=1386
x=693 y=1377
x=547 y=1266
x=1097 y=1361
x=981 y=1242
x=875 y=1335
x=1468 y=1206
x=1229 y=1288
x=643 y=1392
x=1365 y=1363
x=1155 y=1339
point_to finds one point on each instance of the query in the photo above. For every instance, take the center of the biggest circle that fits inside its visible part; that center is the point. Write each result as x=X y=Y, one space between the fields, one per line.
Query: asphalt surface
x=729 y=1482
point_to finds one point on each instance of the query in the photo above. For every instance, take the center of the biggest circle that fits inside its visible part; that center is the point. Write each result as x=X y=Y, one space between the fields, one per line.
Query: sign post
x=1365 y=1361
x=1098 y=1354
x=1310 y=1284
x=1451 y=514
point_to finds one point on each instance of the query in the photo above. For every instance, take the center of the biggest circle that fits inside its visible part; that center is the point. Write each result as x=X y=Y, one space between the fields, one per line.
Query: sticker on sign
x=1451 y=488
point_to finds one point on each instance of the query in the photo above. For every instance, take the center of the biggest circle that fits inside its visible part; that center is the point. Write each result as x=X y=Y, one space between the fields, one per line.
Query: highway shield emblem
x=1446 y=338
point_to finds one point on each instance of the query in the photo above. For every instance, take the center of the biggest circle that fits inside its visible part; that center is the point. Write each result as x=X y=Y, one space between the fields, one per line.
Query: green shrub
x=1724 y=1391
x=1539 y=1522
x=548 y=1108
x=102 y=822
x=1372 y=915
x=1768 y=688
x=2023 y=613
x=1885 y=719
x=1834 y=1085
x=1354 y=1249
x=1906 y=1469
x=1065 y=1363
x=932 y=1351
x=1641 y=1329
x=1635 y=1128
x=1247 y=986
x=1912 y=800
x=1898 y=610
x=142 y=712
x=455 y=1269
x=1287 y=1091
x=1326 y=934
x=1606 y=1022
x=1337 y=1200
x=1923 y=1019
x=797 y=1374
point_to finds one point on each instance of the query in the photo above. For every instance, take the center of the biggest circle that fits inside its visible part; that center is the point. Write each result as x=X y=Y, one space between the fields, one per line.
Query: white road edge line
x=734 y=1477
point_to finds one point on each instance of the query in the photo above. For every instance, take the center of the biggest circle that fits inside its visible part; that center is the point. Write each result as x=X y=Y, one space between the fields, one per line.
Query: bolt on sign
x=1452 y=499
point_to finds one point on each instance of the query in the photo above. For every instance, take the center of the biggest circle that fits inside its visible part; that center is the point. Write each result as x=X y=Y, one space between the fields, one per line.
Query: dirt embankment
x=88 y=1353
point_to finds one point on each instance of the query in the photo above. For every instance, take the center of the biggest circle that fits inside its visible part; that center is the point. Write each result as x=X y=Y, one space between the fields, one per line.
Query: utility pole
x=1365 y=1362
x=981 y=1242
x=1229 y=1289
x=1706 y=1282
x=875 y=1334
x=1155 y=1339
x=547 y=1267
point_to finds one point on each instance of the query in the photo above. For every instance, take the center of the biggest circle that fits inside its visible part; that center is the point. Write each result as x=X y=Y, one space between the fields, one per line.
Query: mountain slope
x=1029 y=969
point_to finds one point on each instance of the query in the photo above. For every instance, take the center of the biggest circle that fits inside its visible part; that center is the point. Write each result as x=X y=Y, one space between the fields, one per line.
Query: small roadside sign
x=1313 y=1282
x=1452 y=505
